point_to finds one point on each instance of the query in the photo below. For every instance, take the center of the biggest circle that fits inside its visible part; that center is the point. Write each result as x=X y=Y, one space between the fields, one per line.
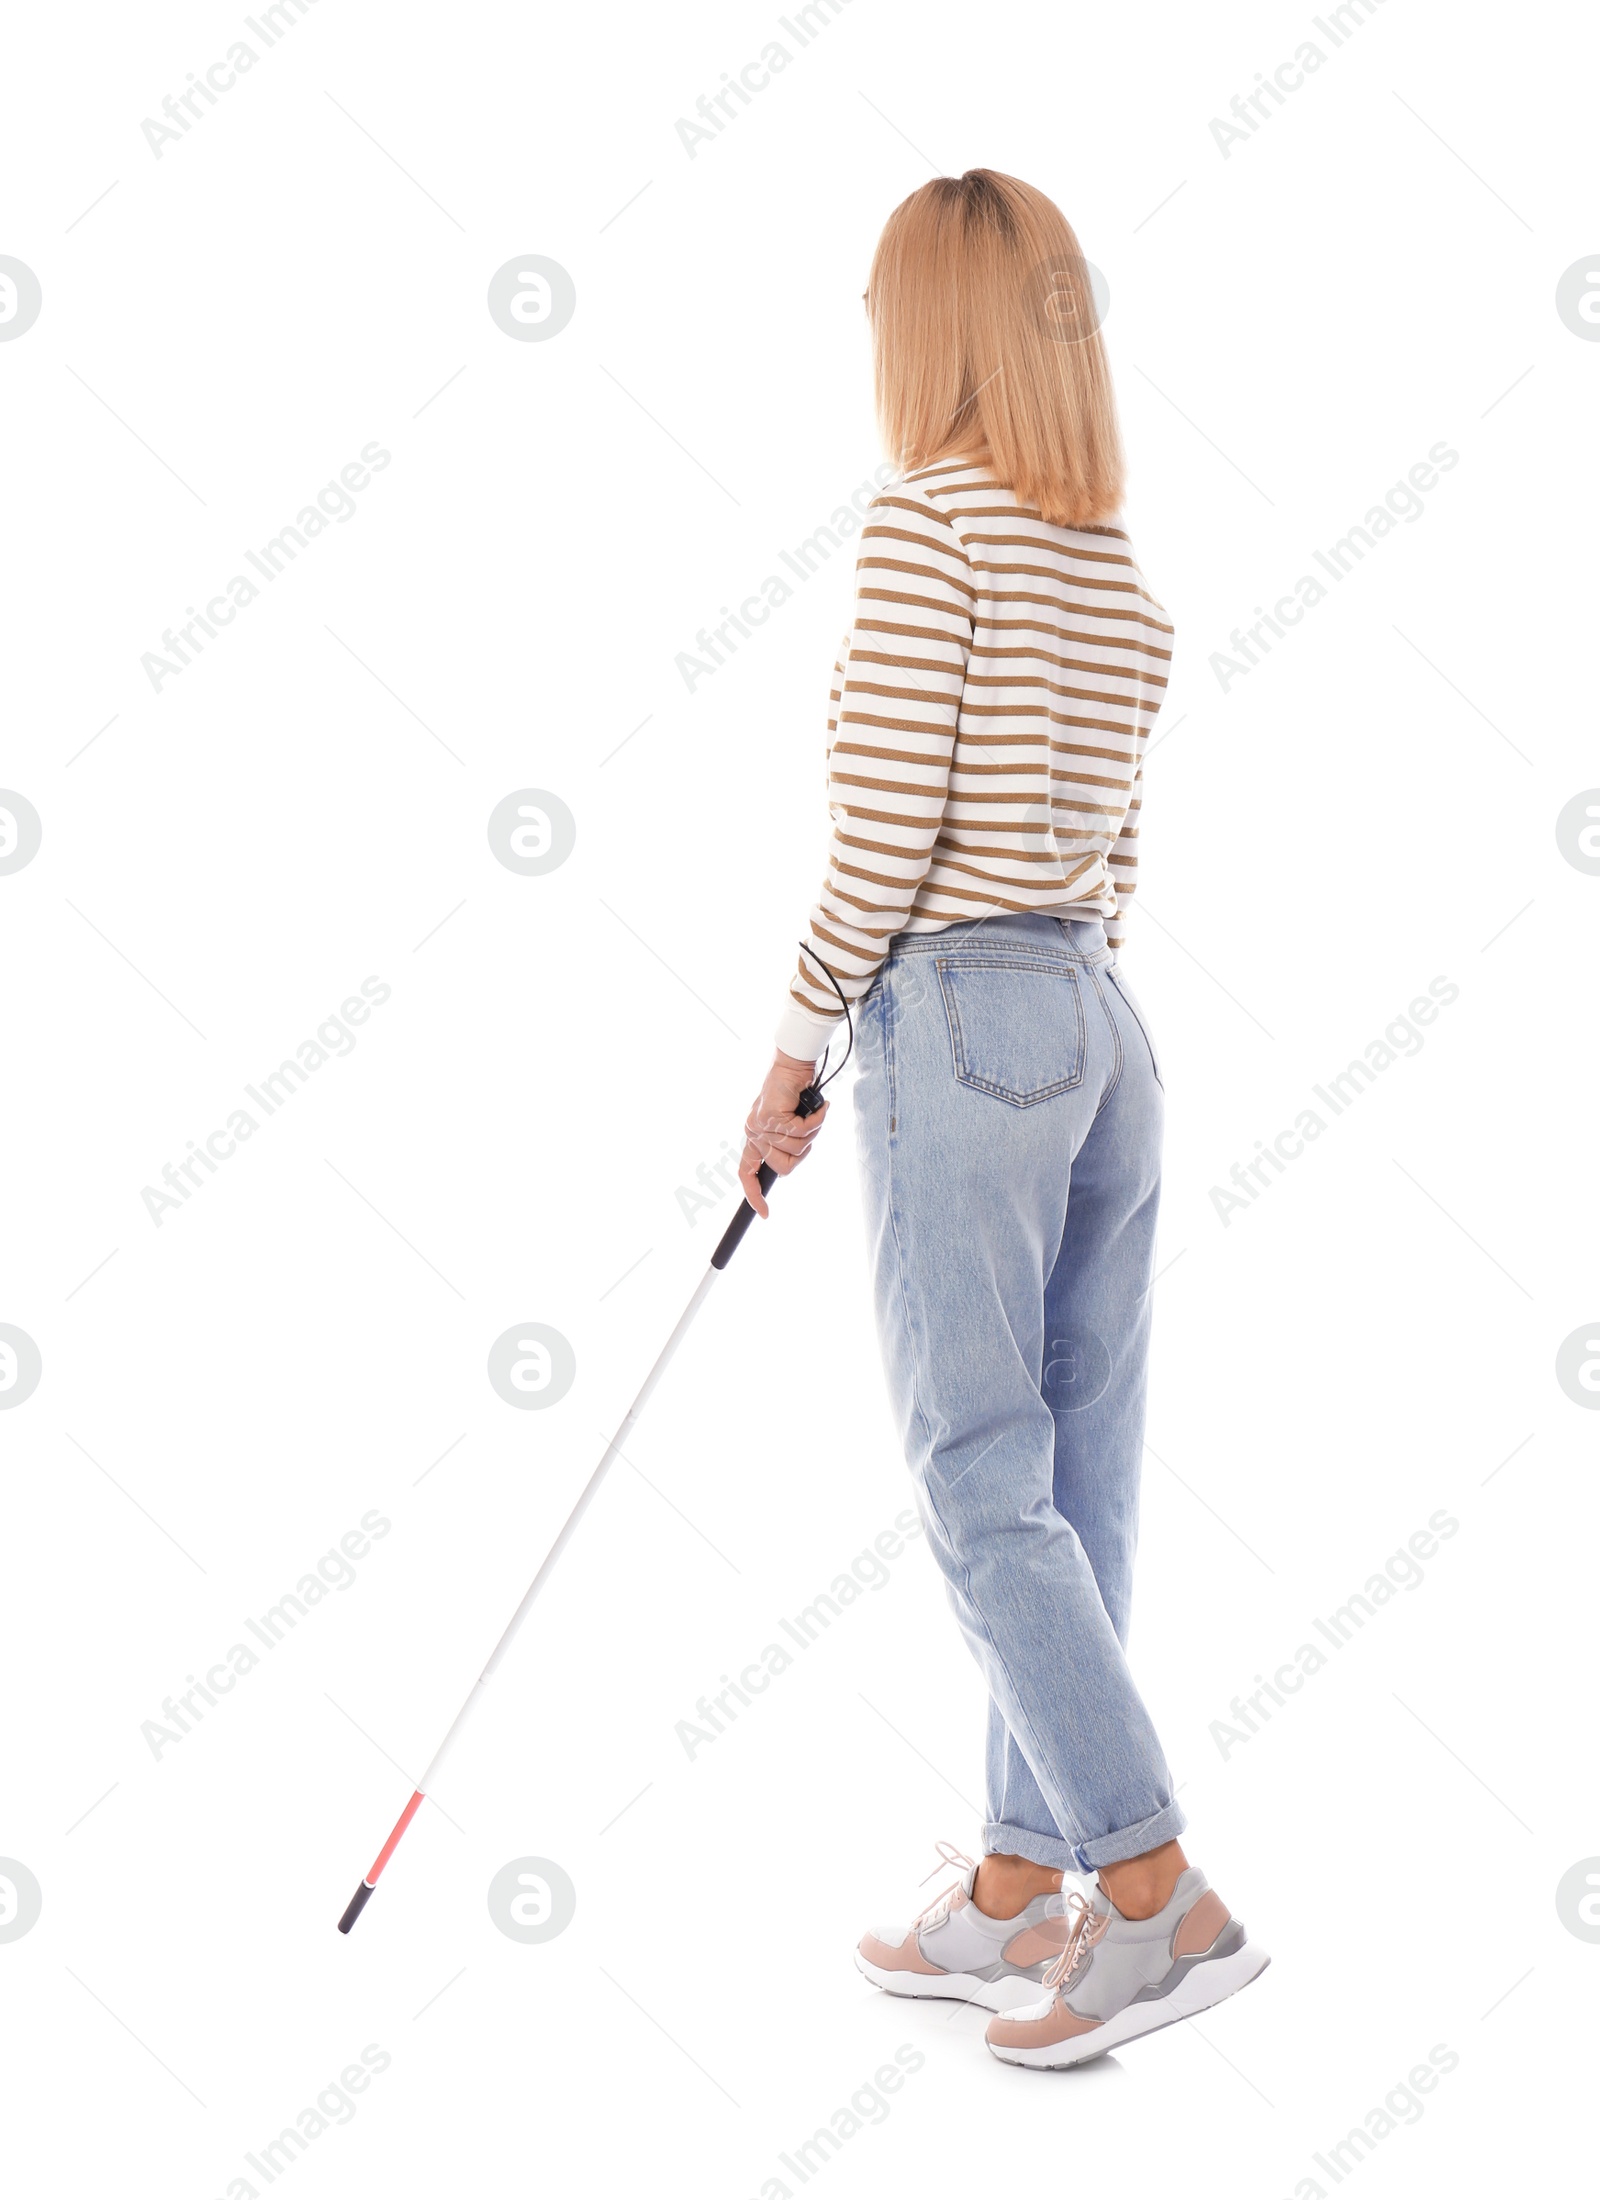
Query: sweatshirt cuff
x=805 y=1037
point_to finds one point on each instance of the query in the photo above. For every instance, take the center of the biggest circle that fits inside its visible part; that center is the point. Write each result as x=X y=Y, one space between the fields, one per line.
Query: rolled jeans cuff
x=1055 y=1854
x=1116 y=1848
x=1039 y=1848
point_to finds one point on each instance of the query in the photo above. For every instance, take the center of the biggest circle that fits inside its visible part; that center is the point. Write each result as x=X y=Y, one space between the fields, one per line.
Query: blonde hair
x=987 y=346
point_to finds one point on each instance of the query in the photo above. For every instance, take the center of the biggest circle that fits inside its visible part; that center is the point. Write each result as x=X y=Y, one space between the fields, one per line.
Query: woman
x=992 y=706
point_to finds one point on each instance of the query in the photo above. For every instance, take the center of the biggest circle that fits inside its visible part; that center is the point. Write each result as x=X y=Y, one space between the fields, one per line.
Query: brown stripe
x=1043 y=541
x=1053 y=717
x=891 y=756
x=916 y=572
x=899 y=695
x=1134 y=643
x=1007 y=597
x=890 y=725
x=1032 y=681
x=919 y=536
x=1145 y=675
x=1053 y=573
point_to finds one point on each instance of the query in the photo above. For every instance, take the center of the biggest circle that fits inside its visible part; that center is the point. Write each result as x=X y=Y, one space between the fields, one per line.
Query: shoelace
x=1086 y=1930
x=951 y=1859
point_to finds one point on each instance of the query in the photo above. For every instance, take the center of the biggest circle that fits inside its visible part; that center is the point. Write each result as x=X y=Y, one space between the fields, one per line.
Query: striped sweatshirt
x=990 y=710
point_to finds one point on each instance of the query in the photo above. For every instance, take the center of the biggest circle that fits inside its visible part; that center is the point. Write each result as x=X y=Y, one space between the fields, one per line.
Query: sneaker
x=1118 y=1977
x=953 y=1952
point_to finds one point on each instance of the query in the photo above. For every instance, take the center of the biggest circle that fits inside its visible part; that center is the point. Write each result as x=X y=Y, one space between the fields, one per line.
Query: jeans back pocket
x=1016 y=1024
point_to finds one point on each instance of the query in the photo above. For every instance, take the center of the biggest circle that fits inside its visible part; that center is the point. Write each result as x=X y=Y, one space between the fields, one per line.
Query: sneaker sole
x=1203 y=1988
x=996 y=1994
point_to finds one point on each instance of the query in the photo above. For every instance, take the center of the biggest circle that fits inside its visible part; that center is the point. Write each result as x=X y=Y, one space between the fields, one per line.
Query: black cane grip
x=766 y=1176
x=357 y=1903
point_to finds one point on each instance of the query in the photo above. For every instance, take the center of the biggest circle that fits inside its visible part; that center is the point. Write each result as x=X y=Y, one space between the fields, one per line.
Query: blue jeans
x=1008 y=1123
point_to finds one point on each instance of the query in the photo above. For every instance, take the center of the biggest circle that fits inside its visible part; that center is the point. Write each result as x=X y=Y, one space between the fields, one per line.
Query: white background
x=1292 y=328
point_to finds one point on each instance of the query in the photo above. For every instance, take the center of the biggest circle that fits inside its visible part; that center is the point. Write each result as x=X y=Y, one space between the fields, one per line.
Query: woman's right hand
x=774 y=1134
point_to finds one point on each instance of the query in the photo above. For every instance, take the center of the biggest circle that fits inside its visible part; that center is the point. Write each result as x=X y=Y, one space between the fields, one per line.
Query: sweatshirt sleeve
x=899 y=686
